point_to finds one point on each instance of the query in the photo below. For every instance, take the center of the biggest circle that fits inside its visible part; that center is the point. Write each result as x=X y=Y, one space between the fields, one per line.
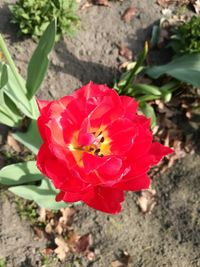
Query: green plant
x=186 y=37
x=2 y=263
x=144 y=93
x=17 y=98
x=183 y=69
x=27 y=210
x=33 y=16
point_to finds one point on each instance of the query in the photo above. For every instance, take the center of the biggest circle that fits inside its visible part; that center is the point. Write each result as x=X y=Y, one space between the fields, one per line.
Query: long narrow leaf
x=44 y=195
x=4 y=76
x=6 y=119
x=14 y=92
x=20 y=173
x=149 y=112
x=39 y=62
x=31 y=139
x=185 y=69
x=11 y=64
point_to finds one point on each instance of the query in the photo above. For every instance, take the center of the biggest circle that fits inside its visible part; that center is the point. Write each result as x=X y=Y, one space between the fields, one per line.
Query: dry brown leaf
x=42 y=215
x=48 y=228
x=86 y=5
x=59 y=229
x=128 y=14
x=38 y=232
x=62 y=248
x=101 y=2
x=122 y=259
x=165 y=3
x=118 y=264
x=196 y=6
x=83 y=243
x=13 y=143
x=67 y=215
x=125 y=52
x=72 y=239
x=47 y=251
x=90 y=256
x=146 y=200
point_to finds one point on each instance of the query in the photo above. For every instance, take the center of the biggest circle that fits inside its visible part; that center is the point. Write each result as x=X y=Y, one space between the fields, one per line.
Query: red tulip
x=96 y=147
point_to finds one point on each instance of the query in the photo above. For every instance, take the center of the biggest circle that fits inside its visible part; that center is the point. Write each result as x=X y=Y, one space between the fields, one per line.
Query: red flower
x=96 y=147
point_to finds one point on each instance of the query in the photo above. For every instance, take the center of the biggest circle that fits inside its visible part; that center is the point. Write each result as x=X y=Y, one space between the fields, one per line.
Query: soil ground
x=170 y=235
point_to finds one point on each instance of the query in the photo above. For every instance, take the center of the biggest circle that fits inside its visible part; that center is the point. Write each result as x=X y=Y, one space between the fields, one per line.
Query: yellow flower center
x=100 y=147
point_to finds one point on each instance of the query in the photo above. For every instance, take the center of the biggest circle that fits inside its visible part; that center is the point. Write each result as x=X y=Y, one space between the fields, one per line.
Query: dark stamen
x=102 y=139
x=96 y=152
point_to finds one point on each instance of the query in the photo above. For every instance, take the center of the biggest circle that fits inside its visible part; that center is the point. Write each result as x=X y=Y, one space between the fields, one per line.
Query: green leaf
x=145 y=98
x=185 y=68
x=146 y=89
x=11 y=64
x=166 y=96
x=39 y=62
x=16 y=94
x=4 y=76
x=44 y=194
x=155 y=35
x=20 y=173
x=6 y=119
x=9 y=107
x=149 y=112
x=129 y=76
x=31 y=139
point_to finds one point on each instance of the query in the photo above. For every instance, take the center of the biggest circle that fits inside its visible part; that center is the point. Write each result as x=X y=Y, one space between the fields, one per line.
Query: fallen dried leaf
x=128 y=14
x=67 y=215
x=90 y=256
x=47 y=251
x=38 y=232
x=125 y=52
x=86 y=5
x=101 y=2
x=48 y=228
x=165 y=3
x=62 y=248
x=122 y=259
x=162 y=3
x=118 y=264
x=13 y=143
x=146 y=200
x=42 y=215
x=83 y=243
x=196 y=6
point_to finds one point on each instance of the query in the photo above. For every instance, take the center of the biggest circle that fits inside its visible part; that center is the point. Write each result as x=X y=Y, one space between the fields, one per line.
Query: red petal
x=105 y=199
x=122 y=133
x=110 y=164
x=42 y=104
x=92 y=91
x=42 y=155
x=108 y=110
x=68 y=197
x=130 y=106
x=136 y=184
x=142 y=143
x=63 y=178
x=159 y=151
x=85 y=138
